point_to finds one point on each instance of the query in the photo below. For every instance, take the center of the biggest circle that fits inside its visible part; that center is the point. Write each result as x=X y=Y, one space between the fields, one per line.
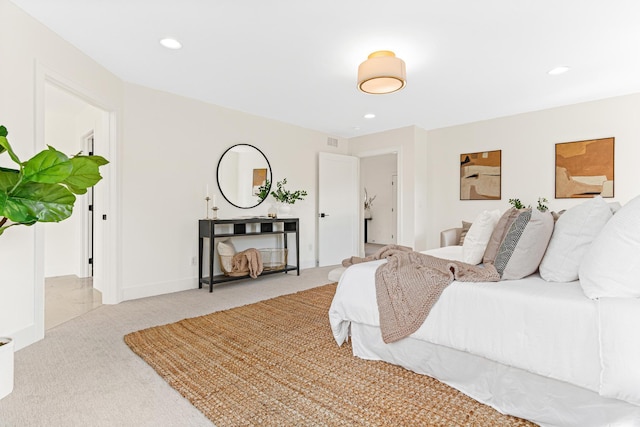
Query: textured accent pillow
x=478 y=236
x=465 y=229
x=572 y=235
x=524 y=244
x=611 y=266
x=498 y=235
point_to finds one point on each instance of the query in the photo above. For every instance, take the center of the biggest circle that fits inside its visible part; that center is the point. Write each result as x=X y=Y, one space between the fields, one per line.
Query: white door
x=339 y=208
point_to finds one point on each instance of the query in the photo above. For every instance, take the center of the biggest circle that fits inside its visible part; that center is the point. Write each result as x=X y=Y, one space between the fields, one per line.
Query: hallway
x=67 y=297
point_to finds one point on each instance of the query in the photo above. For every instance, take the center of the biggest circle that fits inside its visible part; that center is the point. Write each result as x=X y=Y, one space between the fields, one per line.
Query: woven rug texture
x=275 y=363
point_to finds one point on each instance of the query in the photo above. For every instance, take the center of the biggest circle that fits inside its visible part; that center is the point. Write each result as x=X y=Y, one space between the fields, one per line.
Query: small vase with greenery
x=285 y=196
x=368 y=204
x=542 y=204
x=43 y=188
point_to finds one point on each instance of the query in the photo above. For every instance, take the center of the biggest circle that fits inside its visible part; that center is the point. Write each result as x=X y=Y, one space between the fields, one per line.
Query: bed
x=529 y=347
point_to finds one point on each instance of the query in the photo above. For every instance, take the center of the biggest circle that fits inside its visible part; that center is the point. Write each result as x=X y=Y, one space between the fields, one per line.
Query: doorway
x=70 y=125
x=379 y=182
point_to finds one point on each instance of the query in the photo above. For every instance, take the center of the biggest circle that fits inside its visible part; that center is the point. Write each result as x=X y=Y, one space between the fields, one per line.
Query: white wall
x=421 y=207
x=25 y=48
x=528 y=143
x=172 y=147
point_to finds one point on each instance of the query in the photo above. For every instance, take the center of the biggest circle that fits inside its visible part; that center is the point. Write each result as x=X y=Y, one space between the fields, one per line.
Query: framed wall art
x=259 y=179
x=584 y=168
x=480 y=175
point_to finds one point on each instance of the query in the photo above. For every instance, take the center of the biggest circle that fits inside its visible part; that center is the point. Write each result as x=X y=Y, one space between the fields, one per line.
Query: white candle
x=214 y=201
x=207 y=190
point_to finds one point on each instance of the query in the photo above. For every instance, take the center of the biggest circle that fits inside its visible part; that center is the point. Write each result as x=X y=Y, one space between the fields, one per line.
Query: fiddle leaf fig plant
x=43 y=188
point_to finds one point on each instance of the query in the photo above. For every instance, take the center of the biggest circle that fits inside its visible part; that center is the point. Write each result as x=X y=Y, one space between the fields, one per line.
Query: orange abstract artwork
x=259 y=179
x=584 y=168
x=480 y=175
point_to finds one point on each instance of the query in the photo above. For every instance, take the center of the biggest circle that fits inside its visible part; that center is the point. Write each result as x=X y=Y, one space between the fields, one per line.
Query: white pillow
x=614 y=206
x=226 y=249
x=573 y=234
x=611 y=266
x=478 y=236
x=226 y=252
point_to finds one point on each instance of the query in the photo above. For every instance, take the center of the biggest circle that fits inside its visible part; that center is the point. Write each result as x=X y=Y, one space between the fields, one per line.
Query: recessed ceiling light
x=369 y=116
x=170 y=43
x=558 y=70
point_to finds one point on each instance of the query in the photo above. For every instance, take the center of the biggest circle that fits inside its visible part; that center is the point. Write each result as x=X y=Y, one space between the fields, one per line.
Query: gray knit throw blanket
x=410 y=283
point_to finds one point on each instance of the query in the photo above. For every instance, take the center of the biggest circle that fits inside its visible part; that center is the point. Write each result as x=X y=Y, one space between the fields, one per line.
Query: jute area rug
x=276 y=363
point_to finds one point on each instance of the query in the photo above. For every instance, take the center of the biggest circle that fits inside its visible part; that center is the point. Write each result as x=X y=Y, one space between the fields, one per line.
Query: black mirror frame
x=270 y=177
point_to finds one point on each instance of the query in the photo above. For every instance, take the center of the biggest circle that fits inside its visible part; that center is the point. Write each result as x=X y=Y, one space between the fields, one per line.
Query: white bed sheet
x=509 y=390
x=550 y=329
x=620 y=348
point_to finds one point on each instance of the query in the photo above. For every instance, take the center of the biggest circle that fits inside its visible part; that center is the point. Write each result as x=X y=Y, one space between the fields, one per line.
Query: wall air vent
x=332 y=142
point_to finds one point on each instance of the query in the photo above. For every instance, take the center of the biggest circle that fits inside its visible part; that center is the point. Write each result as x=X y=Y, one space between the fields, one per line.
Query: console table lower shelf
x=221 y=278
x=216 y=229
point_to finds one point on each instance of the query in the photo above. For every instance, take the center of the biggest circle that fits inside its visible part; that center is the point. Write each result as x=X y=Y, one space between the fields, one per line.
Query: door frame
x=109 y=230
x=88 y=212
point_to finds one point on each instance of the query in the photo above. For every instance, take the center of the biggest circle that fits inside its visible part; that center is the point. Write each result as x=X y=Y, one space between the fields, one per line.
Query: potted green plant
x=285 y=197
x=41 y=189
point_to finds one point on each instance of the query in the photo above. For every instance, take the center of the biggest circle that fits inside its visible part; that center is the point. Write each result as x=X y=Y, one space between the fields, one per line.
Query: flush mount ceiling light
x=170 y=43
x=382 y=73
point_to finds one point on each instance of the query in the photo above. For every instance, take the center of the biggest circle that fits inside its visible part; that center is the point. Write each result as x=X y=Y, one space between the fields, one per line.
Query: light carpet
x=275 y=362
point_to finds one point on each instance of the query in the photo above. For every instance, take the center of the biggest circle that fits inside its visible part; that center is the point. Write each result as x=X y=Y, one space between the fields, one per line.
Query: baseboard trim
x=160 y=288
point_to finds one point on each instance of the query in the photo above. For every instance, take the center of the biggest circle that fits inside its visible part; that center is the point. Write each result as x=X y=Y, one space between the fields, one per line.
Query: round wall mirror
x=244 y=176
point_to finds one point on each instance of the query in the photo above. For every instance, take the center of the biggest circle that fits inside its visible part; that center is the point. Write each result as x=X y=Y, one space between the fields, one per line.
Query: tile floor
x=371 y=248
x=67 y=297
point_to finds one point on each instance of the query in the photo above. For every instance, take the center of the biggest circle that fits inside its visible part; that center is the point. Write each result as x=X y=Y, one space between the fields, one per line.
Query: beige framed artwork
x=480 y=175
x=585 y=168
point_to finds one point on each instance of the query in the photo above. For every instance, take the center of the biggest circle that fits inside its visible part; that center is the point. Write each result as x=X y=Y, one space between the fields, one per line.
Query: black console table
x=243 y=227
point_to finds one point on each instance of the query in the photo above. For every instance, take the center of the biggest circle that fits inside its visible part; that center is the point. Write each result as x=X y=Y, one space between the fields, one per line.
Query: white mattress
x=550 y=329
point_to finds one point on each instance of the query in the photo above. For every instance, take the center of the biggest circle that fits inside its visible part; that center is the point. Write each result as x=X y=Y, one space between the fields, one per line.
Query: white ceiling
x=296 y=60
